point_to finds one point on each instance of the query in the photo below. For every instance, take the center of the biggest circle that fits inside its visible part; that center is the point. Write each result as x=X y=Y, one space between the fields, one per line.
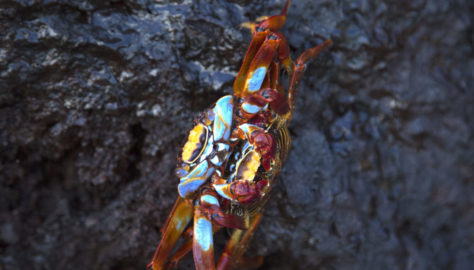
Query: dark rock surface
x=96 y=98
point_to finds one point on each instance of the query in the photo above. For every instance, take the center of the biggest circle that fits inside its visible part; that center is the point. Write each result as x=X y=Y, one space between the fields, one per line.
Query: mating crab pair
x=233 y=153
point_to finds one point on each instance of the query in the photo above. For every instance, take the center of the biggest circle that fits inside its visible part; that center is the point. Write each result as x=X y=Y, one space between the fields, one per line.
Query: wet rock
x=96 y=98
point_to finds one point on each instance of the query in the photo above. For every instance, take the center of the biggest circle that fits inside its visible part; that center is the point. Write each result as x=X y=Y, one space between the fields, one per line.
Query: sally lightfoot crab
x=233 y=153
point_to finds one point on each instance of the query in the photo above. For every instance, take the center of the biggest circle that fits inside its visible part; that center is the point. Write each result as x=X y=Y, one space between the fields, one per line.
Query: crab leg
x=255 y=44
x=255 y=77
x=203 y=245
x=189 y=245
x=183 y=250
x=177 y=221
x=299 y=68
x=232 y=257
x=186 y=247
x=259 y=65
x=260 y=33
x=275 y=23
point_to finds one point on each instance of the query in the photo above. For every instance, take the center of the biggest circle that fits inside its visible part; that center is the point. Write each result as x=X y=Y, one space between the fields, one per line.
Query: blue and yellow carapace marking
x=223 y=118
x=195 y=178
x=256 y=79
x=195 y=144
x=208 y=149
x=222 y=153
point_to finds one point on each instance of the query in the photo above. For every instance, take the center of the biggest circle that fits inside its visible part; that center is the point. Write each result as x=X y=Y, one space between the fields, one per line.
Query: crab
x=228 y=164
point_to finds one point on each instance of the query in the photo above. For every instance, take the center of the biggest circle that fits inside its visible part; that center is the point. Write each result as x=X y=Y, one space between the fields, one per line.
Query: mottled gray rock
x=96 y=98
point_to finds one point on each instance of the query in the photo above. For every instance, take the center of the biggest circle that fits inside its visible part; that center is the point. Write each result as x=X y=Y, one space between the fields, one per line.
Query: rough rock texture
x=96 y=98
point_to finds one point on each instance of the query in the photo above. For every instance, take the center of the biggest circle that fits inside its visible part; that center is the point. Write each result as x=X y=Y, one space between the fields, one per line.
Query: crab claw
x=264 y=143
x=242 y=191
x=257 y=102
x=211 y=207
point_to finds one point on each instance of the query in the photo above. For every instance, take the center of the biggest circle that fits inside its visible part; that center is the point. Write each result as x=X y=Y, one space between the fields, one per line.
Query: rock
x=96 y=98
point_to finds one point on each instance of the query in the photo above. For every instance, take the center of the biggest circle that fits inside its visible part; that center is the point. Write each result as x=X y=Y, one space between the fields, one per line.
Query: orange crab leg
x=234 y=251
x=271 y=79
x=203 y=245
x=257 y=74
x=260 y=33
x=186 y=247
x=259 y=66
x=266 y=81
x=284 y=52
x=274 y=75
x=226 y=260
x=177 y=221
x=299 y=68
x=255 y=44
x=275 y=23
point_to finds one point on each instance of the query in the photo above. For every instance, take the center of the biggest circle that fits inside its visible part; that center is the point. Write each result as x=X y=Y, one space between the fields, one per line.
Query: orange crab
x=233 y=153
